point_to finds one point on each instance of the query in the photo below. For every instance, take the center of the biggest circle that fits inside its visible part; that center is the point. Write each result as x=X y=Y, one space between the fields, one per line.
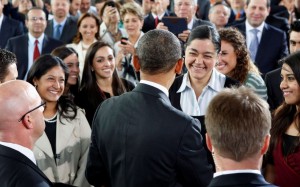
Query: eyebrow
x=195 y=50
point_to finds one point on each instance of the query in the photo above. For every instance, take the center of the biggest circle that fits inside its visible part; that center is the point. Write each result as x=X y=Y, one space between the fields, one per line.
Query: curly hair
x=244 y=64
x=78 y=36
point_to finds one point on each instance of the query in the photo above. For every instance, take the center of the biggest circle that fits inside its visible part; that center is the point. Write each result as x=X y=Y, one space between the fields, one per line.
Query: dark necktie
x=57 y=32
x=36 y=52
x=156 y=21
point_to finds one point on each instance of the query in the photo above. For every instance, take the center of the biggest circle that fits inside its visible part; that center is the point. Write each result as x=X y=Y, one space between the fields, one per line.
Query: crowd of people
x=108 y=96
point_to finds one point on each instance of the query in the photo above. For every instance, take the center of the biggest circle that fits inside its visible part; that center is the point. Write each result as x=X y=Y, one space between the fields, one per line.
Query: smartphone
x=122 y=40
x=111 y=3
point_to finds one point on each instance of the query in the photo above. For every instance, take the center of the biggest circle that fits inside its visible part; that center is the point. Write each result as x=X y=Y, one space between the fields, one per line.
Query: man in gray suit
x=139 y=138
x=61 y=27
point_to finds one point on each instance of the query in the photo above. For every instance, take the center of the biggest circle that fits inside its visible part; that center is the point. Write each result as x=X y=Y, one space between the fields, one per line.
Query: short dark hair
x=205 y=32
x=159 y=57
x=6 y=58
x=295 y=26
x=34 y=8
x=63 y=52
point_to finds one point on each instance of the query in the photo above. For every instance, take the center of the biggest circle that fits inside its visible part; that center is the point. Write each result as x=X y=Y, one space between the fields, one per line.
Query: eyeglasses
x=42 y=104
x=35 y=19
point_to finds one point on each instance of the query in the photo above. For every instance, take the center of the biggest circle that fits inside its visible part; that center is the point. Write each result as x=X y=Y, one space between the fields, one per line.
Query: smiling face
x=88 y=28
x=132 y=24
x=73 y=64
x=227 y=58
x=200 y=59
x=256 y=12
x=36 y=22
x=51 y=85
x=104 y=63
x=289 y=86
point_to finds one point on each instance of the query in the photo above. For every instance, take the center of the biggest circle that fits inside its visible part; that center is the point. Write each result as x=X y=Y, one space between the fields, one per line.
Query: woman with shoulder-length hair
x=100 y=79
x=283 y=158
x=61 y=152
x=235 y=62
x=192 y=91
x=88 y=33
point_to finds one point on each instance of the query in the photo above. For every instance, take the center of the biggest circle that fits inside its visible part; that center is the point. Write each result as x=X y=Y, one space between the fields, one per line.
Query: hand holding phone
x=124 y=39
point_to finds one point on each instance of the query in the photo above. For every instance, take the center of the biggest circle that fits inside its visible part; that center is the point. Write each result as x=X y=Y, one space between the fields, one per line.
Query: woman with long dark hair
x=100 y=79
x=283 y=160
x=61 y=152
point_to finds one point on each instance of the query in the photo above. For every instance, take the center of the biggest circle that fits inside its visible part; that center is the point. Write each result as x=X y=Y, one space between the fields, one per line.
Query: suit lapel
x=66 y=29
x=64 y=132
x=263 y=44
x=50 y=28
x=43 y=143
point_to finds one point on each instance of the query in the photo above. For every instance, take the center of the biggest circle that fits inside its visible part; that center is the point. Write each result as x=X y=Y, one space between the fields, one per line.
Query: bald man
x=21 y=124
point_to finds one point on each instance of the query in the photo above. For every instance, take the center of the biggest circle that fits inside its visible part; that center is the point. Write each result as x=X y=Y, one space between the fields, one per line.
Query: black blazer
x=239 y=180
x=272 y=47
x=9 y=28
x=18 y=170
x=19 y=46
x=139 y=139
x=68 y=32
x=275 y=96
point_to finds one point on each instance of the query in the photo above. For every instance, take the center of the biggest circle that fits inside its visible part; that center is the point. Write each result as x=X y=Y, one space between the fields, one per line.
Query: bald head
x=17 y=98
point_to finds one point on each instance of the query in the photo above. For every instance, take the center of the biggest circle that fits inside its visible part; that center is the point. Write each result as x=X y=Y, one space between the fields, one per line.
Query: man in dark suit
x=230 y=117
x=145 y=141
x=24 y=46
x=158 y=11
x=61 y=27
x=8 y=27
x=273 y=78
x=266 y=43
x=22 y=123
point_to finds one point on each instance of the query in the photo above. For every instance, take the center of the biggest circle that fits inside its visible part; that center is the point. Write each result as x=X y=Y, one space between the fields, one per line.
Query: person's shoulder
x=273 y=73
x=198 y=22
x=230 y=82
x=18 y=38
x=127 y=84
x=271 y=28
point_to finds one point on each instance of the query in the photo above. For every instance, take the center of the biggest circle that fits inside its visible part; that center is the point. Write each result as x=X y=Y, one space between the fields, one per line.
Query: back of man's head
x=6 y=59
x=158 y=51
x=17 y=98
x=237 y=123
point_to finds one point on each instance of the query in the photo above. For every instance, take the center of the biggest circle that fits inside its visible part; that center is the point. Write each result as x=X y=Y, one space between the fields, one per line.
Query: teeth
x=54 y=92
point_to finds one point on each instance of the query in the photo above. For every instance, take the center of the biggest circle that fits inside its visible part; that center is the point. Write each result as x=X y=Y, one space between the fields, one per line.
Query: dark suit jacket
x=68 y=32
x=139 y=139
x=272 y=47
x=17 y=170
x=19 y=46
x=239 y=180
x=275 y=96
x=9 y=28
x=149 y=21
x=198 y=22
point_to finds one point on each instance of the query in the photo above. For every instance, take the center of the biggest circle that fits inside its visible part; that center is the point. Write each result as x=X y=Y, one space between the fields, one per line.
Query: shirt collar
x=158 y=86
x=213 y=83
x=24 y=150
x=236 y=171
x=249 y=27
x=32 y=39
x=55 y=23
x=1 y=19
x=190 y=24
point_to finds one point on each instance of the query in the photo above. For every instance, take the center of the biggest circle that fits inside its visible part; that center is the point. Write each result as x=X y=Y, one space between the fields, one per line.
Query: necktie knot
x=36 y=42
x=254 y=31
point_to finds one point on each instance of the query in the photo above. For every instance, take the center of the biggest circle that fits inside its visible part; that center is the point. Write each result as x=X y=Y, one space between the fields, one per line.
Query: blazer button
x=72 y=174
x=70 y=150
x=40 y=154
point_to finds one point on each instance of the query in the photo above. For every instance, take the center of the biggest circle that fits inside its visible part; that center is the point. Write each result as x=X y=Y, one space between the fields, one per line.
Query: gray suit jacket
x=140 y=139
x=68 y=32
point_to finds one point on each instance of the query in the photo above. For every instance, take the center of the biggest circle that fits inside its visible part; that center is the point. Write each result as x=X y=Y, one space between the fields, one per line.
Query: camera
x=122 y=40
